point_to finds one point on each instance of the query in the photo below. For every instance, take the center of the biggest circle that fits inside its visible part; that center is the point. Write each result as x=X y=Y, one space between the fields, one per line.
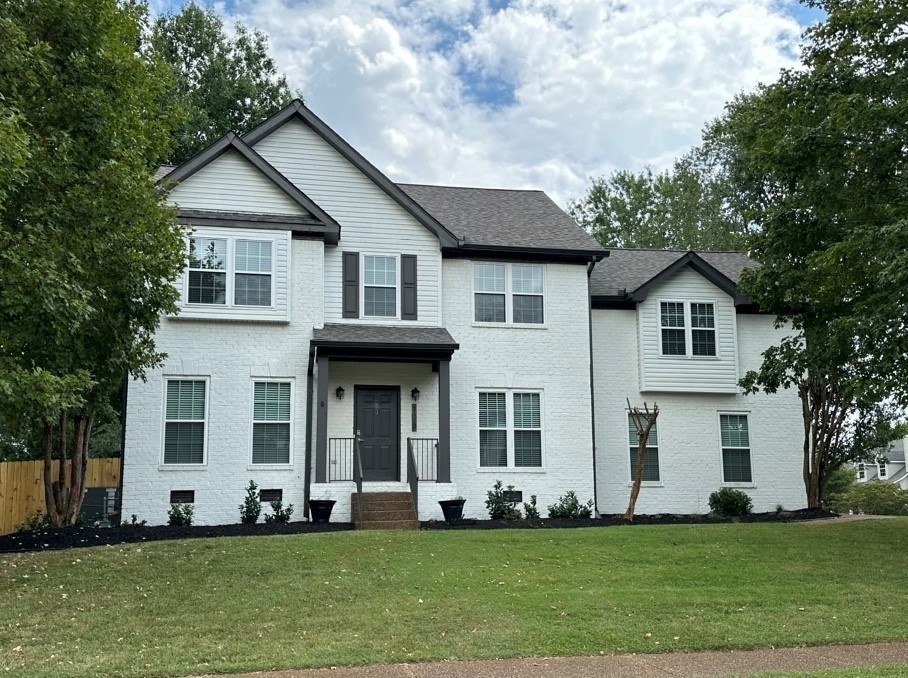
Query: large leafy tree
x=690 y=206
x=820 y=158
x=88 y=247
x=221 y=83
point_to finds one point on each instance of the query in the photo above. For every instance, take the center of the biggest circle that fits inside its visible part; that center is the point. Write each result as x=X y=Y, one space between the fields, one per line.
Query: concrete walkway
x=692 y=665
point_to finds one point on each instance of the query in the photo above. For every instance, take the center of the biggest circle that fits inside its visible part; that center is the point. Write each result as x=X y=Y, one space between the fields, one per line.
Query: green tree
x=88 y=247
x=819 y=160
x=220 y=83
x=690 y=206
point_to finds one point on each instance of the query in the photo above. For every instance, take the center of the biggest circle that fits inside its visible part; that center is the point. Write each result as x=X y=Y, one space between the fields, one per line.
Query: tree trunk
x=50 y=498
x=63 y=496
x=643 y=422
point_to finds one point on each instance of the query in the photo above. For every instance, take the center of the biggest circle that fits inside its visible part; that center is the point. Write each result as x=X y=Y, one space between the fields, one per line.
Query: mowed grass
x=218 y=605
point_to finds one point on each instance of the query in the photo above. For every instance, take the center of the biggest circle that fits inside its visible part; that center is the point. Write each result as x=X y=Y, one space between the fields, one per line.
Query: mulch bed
x=78 y=537
x=618 y=520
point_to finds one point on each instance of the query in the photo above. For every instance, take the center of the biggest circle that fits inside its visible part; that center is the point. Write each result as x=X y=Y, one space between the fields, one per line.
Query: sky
x=522 y=93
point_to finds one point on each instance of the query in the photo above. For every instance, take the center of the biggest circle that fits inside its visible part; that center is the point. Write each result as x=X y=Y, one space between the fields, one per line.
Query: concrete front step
x=388 y=525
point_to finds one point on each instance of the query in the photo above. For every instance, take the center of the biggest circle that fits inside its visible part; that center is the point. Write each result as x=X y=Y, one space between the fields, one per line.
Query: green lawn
x=215 y=605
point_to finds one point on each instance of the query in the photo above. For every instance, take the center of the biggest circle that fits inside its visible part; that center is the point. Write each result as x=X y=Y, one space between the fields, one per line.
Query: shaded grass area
x=241 y=604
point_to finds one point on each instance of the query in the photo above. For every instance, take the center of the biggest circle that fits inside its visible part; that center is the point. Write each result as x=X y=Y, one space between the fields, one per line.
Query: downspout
x=589 y=296
x=307 y=473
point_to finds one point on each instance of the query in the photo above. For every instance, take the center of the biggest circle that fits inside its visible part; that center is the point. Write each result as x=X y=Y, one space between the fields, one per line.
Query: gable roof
x=297 y=110
x=629 y=274
x=503 y=218
x=231 y=142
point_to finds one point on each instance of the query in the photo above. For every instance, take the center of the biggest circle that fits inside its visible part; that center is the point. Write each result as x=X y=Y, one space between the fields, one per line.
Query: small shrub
x=838 y=483
x=499 y=503
x=280 y=515
x=251 y=508
x=530 y=508
x=780 y=509
x=35 y=521
x=135 y=522
x=729 y=502
x=568 y=506
x=180 y=514
x=874 y=498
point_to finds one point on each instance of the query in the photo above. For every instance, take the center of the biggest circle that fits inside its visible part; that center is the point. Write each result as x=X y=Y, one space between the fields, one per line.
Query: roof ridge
x=656 y=249
x=472 y=188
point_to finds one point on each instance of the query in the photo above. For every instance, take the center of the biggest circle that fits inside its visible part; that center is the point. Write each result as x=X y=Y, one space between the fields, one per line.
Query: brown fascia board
x=296 y=109
x=697 y=263
x=231 y=141
x=478 y=251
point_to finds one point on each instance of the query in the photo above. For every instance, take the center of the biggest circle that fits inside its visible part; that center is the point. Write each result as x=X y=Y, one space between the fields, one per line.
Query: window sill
x=648 y=483
x=510 y=469
x=752 y=486
x=183 y=467
x=518 y=326
x=269 y=467
x=705 y=358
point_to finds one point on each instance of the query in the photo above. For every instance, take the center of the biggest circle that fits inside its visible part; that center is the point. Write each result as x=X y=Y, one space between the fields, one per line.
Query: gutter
x=307 y=473
x=589 y=294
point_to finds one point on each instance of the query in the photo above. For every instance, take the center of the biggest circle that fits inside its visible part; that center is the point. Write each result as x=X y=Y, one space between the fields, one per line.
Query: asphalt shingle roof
x=501 y=217
x=626 y=270
x=384 y=335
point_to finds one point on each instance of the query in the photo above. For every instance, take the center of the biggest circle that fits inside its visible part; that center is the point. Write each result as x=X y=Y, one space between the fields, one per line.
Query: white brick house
x=449 y=331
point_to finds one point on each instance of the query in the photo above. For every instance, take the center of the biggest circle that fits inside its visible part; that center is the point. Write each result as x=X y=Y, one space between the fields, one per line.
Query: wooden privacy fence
x=22 y=486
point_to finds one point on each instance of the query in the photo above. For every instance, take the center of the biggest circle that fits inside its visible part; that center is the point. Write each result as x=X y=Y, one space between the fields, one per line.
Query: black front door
x=377 y=419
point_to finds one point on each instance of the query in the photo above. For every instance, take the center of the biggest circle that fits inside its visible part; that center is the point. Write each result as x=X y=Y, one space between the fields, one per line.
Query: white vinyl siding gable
x=370 y=220
x=236 y=274
x=231 y=184
x=660 y=327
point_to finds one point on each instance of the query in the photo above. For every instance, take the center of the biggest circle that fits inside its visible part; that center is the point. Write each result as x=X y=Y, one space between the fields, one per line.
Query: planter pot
x=453 y=510
x=321 y=509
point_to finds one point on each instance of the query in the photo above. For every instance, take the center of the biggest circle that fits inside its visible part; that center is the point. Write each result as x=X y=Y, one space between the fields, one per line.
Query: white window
x=735 y=439
x=509 y=293
x=510 y=429
x=687 y=328
x=185 y=415
x=881 y=470
x=380 y=286
x=227 y=271
x=271 y=417
x=862 y=471
x=651 y=472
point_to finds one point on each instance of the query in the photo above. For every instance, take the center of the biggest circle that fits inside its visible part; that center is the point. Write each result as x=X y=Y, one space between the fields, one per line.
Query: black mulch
x=618 y=520
x=76 y=537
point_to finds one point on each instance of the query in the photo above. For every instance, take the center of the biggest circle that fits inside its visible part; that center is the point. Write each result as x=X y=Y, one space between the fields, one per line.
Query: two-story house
x=460 y=335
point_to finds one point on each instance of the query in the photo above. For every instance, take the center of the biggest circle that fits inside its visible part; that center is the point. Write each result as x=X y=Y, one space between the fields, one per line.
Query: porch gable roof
x=384 y=342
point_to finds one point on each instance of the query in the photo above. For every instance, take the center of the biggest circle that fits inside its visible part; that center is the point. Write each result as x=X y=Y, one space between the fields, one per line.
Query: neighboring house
x=452 y=329
x=888 y=466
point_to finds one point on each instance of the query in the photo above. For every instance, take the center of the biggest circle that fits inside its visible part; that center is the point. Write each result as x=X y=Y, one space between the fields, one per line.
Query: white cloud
x=597 y=84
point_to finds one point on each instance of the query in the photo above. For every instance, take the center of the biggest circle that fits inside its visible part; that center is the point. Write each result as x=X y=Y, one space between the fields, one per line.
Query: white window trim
x=185 y=467
x=230 y=269
x=753 y=475
x=688 y=328
x=509 y=296
x=862 y=471
x=251 y=465
x=881 y=471
x=362 y=285
x=509 y=413
x=627 y=437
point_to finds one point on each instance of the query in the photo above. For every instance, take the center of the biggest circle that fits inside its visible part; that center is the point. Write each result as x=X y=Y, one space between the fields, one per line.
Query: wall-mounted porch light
x=339 y=393
x=415 y=394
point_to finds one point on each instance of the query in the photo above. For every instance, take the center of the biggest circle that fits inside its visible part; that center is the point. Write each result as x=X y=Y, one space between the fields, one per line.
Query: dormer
x=686 y=307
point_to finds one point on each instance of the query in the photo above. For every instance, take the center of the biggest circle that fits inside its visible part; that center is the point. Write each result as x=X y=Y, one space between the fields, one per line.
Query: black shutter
x=408 y=287
x=351 y=285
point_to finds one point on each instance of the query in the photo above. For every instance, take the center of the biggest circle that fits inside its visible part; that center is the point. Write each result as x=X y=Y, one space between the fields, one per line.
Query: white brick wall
x=230 y=354
x=690 y=455
x=554 y=359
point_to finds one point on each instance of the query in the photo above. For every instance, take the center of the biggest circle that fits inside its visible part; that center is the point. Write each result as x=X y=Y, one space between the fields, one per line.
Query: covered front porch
x=381 y=419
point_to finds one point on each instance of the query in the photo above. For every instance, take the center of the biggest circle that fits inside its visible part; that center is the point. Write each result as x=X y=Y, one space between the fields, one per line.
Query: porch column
x=321 y=435
x=444 y=422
